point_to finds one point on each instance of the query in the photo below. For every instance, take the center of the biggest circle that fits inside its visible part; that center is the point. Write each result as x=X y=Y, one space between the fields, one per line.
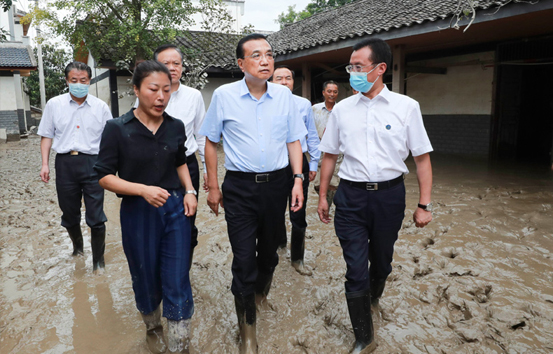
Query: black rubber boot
x=297 y=250
x=77 y=238
x=246 y=313
x=377 y=288
x=359 y=307
x=98 y=242
x=262 y=287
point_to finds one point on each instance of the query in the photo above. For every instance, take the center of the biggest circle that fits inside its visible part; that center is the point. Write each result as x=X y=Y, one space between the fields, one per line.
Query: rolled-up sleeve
x=212 y=126
x=108 y=157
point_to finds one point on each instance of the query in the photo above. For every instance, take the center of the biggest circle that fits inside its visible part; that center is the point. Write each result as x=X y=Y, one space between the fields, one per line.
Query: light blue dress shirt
x=255 y=132
x=311 y=141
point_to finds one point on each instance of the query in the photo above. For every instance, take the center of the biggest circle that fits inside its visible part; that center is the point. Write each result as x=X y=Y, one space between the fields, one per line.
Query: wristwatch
x=427 y=207
x=299 y=175
x=192 y=191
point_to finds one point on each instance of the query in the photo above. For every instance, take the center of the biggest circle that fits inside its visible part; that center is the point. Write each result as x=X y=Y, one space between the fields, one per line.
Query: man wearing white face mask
x=375 y=130
x=72 y=125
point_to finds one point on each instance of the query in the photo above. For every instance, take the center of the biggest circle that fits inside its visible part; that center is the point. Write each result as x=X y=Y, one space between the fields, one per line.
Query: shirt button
x=261 y=134
x=262 y=165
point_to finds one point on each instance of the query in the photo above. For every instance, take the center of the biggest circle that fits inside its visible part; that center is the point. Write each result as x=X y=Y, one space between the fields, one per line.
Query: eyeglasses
x=258 y=56
x=356 y=68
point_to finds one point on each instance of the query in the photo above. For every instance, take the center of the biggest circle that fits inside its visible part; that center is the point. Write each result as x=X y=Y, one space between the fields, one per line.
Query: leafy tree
x=315 y=6
x=54 y=61
x=5 y=5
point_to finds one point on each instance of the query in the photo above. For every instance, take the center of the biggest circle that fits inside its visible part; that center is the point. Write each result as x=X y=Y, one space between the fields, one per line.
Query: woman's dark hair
x=380 y=50
x=249 y=37
x=79 y=66
x=145 y=68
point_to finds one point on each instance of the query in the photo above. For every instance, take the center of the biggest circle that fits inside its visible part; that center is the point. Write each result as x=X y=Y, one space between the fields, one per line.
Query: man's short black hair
x=329 y=82
x=79 y=66
x=164 y=47
x=249 y=37
x=380 y=50
x=285 y=67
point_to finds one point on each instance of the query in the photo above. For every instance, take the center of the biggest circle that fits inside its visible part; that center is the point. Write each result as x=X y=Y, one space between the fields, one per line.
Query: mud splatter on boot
x=154 y=332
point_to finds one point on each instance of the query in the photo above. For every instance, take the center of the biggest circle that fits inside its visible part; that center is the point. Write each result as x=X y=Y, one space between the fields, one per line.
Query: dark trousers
x=156 y=242
x=367 y=224
x=255 y=214
x=75 y=178
x=298 y=218
x=194 y=170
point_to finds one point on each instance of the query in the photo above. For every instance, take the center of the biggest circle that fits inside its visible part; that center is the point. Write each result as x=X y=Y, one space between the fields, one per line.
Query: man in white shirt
x=322 y=110
x=309 y=143
x=375 y=130
x=72 y=125
x=187 y=105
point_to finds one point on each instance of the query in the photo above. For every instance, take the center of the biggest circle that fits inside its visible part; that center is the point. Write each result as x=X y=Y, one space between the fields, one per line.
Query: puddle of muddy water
x=478 y=279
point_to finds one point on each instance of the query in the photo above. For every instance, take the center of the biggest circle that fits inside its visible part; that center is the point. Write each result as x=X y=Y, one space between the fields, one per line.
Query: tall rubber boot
x=297 y=250
x=359 y=307
x=154 y=332
x=246 y=313
x=377 y=288
x=98 y=242
x=178 y=336
x=262 y=287
x=76 y=237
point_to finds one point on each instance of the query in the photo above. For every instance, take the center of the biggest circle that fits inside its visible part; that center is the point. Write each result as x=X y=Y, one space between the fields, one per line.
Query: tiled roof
x=219 y=48
x=14 y=55
x=365 y=17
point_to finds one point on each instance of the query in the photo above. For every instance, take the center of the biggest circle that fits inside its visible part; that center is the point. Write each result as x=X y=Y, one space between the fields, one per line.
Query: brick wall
x=9 y=120
x=459 y=134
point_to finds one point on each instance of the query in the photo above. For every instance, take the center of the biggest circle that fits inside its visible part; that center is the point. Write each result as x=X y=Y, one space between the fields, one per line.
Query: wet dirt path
x=478 y=279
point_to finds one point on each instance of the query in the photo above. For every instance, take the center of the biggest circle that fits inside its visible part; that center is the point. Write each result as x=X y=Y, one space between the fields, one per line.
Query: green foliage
x=5 y=4
x=315 y=6
x=54 y=62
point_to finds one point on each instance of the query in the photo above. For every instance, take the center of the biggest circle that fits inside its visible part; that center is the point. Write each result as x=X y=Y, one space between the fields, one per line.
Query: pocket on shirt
x=392 y=136
x=279 y=128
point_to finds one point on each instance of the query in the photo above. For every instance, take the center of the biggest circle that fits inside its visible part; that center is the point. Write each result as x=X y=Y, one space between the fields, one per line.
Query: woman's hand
x=155 y=196
x=190 y=204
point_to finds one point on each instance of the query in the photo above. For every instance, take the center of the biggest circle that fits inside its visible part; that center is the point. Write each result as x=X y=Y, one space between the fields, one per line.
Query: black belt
x=258 y=177
x=75 y=153
x=375 y=186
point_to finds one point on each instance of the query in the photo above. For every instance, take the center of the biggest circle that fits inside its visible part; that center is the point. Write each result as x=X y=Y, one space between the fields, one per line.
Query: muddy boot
x=98 y=243
x=262 y=287
x=154 y=332
x=377 y=288
x=297 y=250
x=178 y=336
x=246 y=313
x=359 y=307
x=77 y=238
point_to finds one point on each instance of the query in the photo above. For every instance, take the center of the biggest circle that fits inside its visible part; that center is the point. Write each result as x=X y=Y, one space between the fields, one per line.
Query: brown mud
x=478 y=279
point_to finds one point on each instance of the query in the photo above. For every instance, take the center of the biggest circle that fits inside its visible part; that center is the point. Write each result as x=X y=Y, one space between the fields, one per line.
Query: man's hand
x=45 y=173
x=312 y=175
x=214 y=199
x=190 y=204
x=205 y=186
x=322 y=210
x=155 y=196
x=297 y=195
x=422 y=217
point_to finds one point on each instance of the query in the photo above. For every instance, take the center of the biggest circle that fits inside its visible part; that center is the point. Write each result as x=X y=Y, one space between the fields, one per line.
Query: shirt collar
x=383 y=94
x=244 y=90
x=72 y=100
x=127 y=117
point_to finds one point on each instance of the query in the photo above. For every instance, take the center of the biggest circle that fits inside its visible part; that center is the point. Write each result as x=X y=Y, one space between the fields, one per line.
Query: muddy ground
x=478 y=279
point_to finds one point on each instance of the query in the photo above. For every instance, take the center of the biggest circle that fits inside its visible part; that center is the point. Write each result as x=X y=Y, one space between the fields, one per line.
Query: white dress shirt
x=74 y=127
x=375 y=135
x=320 y=116
x=187 y=105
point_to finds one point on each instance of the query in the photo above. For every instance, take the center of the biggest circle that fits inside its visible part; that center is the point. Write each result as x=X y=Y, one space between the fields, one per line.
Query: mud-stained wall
x=456 y=106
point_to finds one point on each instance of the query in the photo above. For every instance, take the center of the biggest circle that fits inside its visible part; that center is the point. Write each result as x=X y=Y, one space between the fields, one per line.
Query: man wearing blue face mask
x=375 y=130
x=72 y=125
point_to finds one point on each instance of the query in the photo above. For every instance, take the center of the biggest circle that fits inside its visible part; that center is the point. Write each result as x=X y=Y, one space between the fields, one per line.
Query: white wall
x=7 y=94
x=213 y=83
x=465 y=89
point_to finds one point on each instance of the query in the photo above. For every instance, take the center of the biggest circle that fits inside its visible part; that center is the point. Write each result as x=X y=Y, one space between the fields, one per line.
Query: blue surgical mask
x=78 y=90
x=359 y=82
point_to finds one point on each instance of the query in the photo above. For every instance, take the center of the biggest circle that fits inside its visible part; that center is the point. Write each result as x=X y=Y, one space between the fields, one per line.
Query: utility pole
x=40 y=66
